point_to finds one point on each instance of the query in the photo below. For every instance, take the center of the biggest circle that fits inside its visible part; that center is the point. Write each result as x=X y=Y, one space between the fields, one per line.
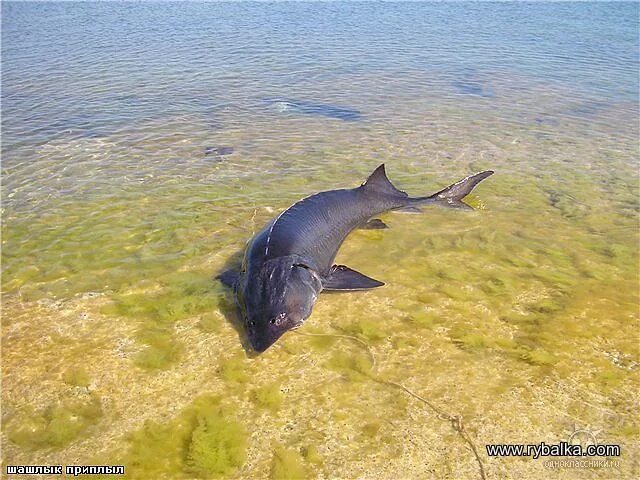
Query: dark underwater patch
x=303 y=107
x=82 y=125
x=472 y=87
x=587 y=109
x=468 y=82
x=218 y=150
x=546 y=120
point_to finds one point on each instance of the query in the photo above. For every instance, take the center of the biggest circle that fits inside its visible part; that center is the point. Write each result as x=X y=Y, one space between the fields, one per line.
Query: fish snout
x=259 y=343
x=262 y=335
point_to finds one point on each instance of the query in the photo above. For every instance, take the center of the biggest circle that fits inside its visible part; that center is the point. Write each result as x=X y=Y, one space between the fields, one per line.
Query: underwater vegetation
x=55 y=426
x=180 y=295
x=217 y=445
x=204 y=440
x=353 y=367
x=233 y=370
x=161 y=348
x=268 y=396
x=489 y=312
x=518 y=321
x=288 y=465
x=76 y=376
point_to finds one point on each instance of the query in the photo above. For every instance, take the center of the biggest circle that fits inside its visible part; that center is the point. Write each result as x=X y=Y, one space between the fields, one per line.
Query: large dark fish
x=290 y=261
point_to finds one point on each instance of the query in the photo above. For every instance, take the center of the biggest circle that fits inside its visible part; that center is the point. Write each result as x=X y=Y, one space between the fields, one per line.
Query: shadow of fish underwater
x=318 y=109
x=290 y=262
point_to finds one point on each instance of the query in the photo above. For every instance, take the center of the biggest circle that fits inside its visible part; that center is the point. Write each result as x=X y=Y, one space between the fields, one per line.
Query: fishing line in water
x=455 y=420
x=350 y=337
x=253 y=222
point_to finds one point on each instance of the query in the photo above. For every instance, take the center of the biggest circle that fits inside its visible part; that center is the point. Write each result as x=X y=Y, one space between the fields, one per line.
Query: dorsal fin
x=378 y=182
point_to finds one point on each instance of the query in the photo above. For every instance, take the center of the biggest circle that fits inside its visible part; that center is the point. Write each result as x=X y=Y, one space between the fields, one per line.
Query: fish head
x=277 y=297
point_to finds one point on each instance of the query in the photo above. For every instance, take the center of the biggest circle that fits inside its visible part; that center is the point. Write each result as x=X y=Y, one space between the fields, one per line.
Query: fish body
x=290 y=261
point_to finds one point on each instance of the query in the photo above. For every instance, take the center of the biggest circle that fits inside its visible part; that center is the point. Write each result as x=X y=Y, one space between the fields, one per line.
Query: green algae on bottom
x=161 y=349
x=538 y=357
x=288 y=465
x=180 y=295
x=76 y=376
x=204 y=440
x=217 y=445
x=268 y=396
x=371 y=429
x=365 y=328
x=233 y=370
x=352 y=366
x=312 y=455
x=470 y=341
x=211 y=322
x=56 y=426
x=531 y=291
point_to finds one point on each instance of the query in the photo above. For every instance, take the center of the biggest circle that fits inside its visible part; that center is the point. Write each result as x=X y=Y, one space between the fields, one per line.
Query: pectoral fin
x=374 y=224
x=343 y=278
x=229 y=277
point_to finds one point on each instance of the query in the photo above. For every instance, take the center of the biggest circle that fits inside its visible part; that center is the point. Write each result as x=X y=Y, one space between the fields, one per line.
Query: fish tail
x=452 y=195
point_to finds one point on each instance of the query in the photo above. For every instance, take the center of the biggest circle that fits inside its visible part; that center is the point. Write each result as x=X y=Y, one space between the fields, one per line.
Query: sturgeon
x=290 y=261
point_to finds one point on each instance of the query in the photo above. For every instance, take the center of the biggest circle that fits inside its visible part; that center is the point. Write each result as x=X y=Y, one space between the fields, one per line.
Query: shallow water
x=143 y=145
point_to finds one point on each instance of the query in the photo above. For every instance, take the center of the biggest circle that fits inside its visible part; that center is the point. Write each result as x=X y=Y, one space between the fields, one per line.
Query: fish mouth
x=259 y=347
x=261 y=344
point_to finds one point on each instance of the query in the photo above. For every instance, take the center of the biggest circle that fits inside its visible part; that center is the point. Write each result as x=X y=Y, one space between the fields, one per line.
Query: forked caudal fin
x=452 y=195
x=449 y=197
